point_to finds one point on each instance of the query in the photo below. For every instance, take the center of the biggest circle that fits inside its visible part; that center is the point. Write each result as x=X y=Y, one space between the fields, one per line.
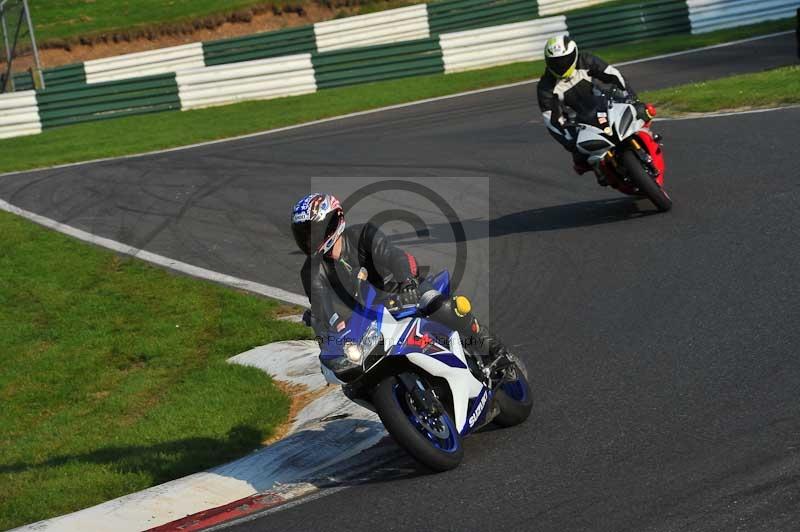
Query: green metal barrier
x=53 y=77
x=375 y=63
x=457 y=15
x=260 y=46
x=608 y=24
x=70 y=105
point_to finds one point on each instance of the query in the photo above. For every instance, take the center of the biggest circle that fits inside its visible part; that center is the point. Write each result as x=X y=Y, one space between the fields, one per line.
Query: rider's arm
x=388 y=258
x=325 y=319
x=606 y=73
x=553 y=114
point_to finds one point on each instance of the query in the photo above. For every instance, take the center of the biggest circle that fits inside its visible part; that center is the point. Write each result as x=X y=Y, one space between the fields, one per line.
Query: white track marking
x=698 y=116
x=172 y=264
x=382 y=109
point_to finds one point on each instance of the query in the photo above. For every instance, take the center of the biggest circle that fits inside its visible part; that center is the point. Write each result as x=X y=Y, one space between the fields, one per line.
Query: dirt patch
x=246 y=22
x=301 y=398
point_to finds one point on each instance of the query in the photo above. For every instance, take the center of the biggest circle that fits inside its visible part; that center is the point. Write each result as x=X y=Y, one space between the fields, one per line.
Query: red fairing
x=655 y=151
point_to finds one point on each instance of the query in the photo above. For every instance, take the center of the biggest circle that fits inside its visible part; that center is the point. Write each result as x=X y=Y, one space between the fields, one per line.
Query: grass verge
x=772 y=88
x=113 y=375
x=84 y=21
x=138 y=134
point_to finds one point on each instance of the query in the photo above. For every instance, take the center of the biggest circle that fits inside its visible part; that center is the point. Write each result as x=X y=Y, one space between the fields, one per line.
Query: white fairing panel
x=462 y=384
x=615 y=115
x=391 y=329
x=589 y=133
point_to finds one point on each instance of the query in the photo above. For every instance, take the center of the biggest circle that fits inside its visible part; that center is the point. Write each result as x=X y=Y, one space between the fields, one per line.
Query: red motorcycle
x=623 y=150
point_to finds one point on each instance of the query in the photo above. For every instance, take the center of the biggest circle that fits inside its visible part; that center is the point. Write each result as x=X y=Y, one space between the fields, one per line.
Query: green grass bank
x=113 y=374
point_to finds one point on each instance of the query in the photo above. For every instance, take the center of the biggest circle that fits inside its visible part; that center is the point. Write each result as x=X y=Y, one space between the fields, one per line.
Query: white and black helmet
x=561 y=56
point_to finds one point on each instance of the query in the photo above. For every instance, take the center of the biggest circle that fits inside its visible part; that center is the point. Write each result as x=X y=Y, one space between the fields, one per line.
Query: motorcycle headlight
x=357 y=352
x=353 y=352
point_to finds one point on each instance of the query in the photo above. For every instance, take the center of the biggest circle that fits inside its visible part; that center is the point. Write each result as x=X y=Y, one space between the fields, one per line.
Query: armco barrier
x=145 y=63
x=53 y=77
x=497 y=45
x=260 y=68
x=260 y=46
x=250 y=80
x=69 y=105
x=711 y=15
x=604 y=25
x=19 y=114
x=393 y=25
x=375 y=63
x=458 y=15
x=552 y=7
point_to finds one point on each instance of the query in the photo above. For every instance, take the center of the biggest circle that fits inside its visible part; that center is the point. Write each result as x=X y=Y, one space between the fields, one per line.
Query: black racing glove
x=408 y=293
x=308 y=318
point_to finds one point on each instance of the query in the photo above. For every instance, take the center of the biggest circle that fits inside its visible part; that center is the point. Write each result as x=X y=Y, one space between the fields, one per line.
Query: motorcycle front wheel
x=430 y=438
x=646 y=184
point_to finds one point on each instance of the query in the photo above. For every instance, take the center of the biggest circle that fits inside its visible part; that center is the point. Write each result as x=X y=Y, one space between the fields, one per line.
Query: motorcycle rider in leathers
x=567 y=87
x=336 y=253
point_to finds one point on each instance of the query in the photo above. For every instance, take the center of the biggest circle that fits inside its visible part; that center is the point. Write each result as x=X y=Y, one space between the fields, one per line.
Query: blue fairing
x=357 y=325
x=372 y=310
x=442 y=282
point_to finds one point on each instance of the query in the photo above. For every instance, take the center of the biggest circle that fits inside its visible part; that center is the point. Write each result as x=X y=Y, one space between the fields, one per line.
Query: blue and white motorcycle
x=429 y=390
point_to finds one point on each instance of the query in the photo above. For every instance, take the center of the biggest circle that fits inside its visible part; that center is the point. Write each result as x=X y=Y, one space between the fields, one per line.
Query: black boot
x=491 y=348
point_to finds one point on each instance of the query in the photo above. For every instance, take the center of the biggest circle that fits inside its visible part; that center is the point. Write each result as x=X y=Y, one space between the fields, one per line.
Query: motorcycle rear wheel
x=433 y=441
x=514 y=398
x=646 y=184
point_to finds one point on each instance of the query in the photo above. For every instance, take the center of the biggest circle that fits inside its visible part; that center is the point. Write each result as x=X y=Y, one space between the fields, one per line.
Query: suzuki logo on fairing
x=476 y=414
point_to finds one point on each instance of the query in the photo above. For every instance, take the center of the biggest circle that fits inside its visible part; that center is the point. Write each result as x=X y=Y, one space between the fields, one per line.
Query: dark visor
x=560 y=65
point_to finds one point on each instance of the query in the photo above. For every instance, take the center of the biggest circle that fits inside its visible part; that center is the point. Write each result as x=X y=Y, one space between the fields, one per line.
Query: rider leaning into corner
x=336 y=253
x=566 y=89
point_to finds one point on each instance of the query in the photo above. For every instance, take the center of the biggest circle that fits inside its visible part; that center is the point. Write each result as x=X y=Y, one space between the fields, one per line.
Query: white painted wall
x=147 y=63
x=497 y=45
x=394 y=25
x=550 y=7
x=710 y=15
x=248 y=80
x=19 y=114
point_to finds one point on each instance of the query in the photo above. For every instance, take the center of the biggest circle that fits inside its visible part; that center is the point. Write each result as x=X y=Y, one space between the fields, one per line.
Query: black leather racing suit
x=330 y=284
x=557 y=96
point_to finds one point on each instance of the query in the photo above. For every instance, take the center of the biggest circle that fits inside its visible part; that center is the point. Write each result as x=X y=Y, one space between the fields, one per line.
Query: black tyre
x=433 y=441
x=645 y=183
x=514 y=397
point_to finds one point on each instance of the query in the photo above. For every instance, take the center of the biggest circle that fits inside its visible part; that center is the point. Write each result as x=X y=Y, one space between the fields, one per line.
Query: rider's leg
x=580 y=163
x=456 y=313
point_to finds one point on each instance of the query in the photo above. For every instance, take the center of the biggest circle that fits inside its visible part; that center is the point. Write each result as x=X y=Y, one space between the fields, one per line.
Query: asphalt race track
x=662 y=348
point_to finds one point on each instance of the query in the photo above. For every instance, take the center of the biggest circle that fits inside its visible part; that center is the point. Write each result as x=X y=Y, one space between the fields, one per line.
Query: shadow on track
x=554 y=218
